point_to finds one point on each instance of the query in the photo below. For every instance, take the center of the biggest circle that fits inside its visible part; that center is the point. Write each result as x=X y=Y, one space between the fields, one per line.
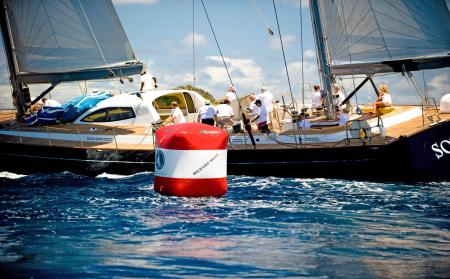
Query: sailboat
x=116 y=135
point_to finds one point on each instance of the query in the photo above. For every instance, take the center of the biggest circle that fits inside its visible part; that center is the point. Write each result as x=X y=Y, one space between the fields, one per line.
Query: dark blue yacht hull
x=422 y=156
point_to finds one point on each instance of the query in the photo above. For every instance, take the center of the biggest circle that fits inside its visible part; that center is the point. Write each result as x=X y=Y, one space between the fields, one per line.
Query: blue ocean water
x=66 y=225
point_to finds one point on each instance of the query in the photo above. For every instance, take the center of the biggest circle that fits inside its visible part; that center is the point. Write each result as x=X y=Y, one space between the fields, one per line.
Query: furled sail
x=369 y=36
x=68 y=40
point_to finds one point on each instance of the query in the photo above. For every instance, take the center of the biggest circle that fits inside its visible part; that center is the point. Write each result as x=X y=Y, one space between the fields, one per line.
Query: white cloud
x=171 y=80
x=309 y=53
x=139 y=2
x=199 y=39
x=309 y=70
x=439 y=86
x=296 y=67
x=245 y=73
x=287 y=40
x=218 y=75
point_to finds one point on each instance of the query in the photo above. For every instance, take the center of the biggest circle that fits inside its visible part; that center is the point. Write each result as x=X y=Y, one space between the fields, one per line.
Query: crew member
x=176 y=115
x=148 y=81
x=225 y=114
x=207 y=114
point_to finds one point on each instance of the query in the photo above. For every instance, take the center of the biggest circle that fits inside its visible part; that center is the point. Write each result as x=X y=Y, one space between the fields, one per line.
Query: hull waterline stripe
x=152 y=163
x=81 y=160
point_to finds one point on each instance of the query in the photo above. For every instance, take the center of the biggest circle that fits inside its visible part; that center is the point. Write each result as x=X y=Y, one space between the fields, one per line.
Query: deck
x=143 y=139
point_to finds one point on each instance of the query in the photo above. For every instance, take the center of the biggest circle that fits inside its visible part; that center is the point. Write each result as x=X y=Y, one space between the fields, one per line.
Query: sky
x=160 y=32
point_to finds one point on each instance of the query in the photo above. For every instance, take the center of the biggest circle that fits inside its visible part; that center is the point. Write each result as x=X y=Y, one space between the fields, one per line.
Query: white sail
x=52 y=37
x=384 y=30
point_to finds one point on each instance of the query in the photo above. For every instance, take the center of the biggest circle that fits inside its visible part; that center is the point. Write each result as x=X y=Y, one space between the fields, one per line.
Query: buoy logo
x=160 y=160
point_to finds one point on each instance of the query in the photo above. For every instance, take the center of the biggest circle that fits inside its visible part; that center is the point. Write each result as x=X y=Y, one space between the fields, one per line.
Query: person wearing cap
x=207 y=114
x=266 y=98
x=176 y=115
x=225 y=114
x=148 y=81
x=231 y=94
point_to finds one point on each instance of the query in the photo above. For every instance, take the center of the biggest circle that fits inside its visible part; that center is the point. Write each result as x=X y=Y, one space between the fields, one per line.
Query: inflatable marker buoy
x=191 y=160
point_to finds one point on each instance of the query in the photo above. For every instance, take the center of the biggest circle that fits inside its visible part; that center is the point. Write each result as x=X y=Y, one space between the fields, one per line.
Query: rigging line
x=419 y=90
x=193 y=42
x=284 y=57
x=301 y=49
x=193 y=50
x=425 y=87
x=221 y=54
x=282 y=49
x=246 y=123
x=269 y=29
x=412 y=86
x=93 y=35
x=96 y=41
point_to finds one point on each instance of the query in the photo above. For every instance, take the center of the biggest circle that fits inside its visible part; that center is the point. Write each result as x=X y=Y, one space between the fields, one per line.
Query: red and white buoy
x=191 y=160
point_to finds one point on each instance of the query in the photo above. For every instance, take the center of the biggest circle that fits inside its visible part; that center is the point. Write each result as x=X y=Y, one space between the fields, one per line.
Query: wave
x=121 y=176
x=11 y=175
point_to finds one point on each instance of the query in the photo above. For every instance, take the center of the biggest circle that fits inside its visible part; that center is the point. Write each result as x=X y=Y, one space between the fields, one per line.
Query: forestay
x=365 y=31
x=83 y=37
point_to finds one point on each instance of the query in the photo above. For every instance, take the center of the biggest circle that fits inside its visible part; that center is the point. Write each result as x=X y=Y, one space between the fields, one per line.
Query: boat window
x=117 y=114
x=164 y=102
x=96 y=116
x=189 y=102
x=109 y=115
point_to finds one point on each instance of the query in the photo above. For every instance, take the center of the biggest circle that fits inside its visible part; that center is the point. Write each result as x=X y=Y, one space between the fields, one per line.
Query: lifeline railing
x=430 y=110
x=364 y=130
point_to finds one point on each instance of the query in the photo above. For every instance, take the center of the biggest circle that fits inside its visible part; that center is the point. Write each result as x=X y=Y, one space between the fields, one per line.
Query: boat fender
x=362 y=133
x=382 y=131
x=444 y=104
x=191 y=160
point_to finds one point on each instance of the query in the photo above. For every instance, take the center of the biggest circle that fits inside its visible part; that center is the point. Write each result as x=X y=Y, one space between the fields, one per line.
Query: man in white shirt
x=266 y=98
x=225 y=114
x=261 y=118
x=316 y=98
x=252 y=110
x=176 y=115
x=207 y=114
x=50 y=103
x=231 y=95
x=148 y=81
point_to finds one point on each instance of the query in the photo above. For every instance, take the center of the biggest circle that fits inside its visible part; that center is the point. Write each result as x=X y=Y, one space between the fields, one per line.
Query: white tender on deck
x=141 y=108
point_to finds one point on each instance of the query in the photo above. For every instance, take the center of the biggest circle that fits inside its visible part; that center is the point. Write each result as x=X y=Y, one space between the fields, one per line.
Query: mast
x=324 y=63
x=20 y=94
